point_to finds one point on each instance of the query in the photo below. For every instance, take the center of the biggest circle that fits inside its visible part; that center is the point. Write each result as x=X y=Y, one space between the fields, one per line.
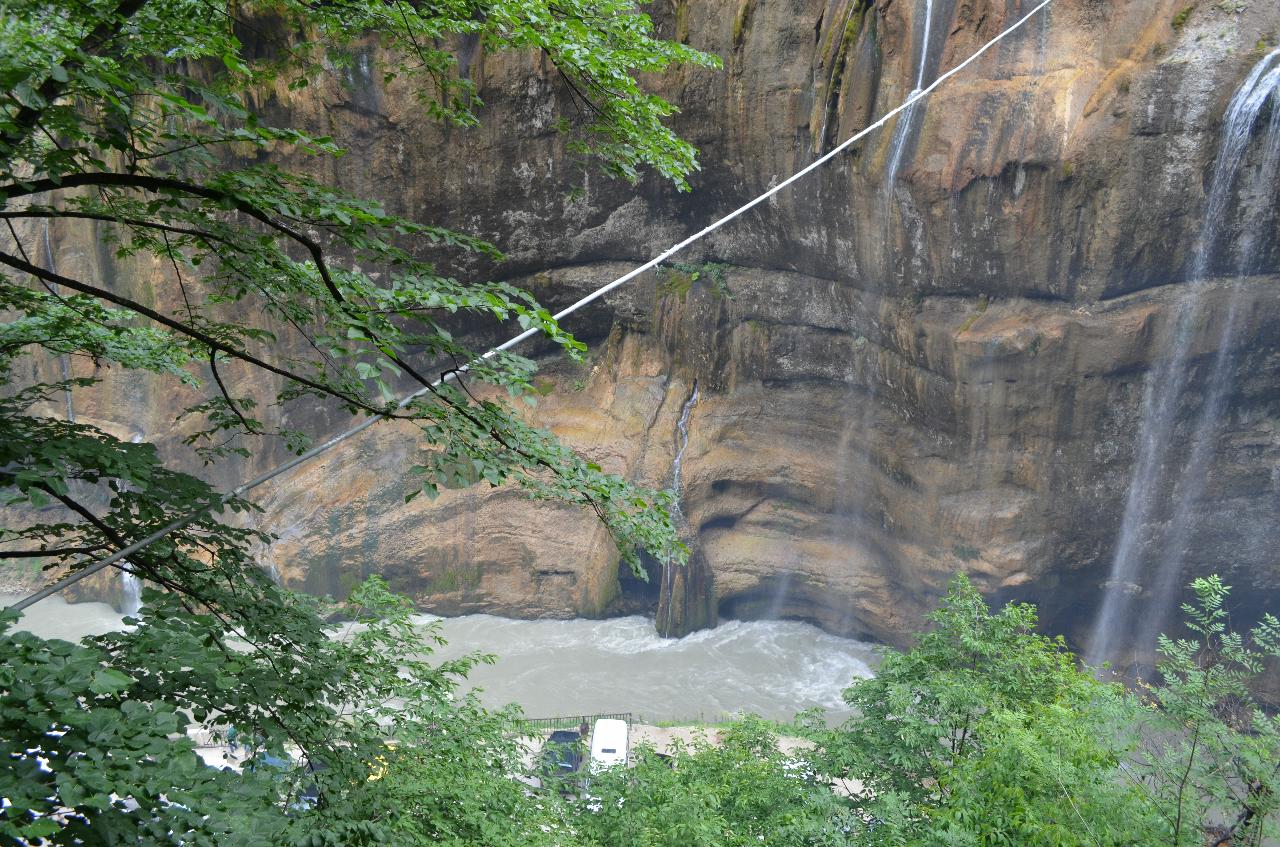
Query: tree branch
x=158 y=184
x=189 y=331
x=27 y=117
x=1182 y=787
x=36 y=554
x=138 y=222
x=226 y=395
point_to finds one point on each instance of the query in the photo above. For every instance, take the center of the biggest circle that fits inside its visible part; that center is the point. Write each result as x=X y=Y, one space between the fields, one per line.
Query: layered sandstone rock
x=895 y=384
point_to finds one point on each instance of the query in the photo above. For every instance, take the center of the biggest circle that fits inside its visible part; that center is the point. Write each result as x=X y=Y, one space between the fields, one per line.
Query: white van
x=608 y=744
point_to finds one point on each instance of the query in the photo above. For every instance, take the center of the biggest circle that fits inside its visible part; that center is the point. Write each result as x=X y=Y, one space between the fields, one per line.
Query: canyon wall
x=897 y=379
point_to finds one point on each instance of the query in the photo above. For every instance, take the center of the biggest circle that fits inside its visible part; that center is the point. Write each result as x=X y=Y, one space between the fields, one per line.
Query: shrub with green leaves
x=91 y=756
x=1210 y=753
x=737 y=792
x=986 y=733
x=138 y=118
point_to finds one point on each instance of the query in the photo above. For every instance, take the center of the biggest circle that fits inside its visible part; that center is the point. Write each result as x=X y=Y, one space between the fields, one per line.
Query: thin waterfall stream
x=677 y=465
x=130 y=585
x=64 y=361
x=905 y=126
x=850 y=510
x=682 y=429
x=130 y=593
x=1147 y=566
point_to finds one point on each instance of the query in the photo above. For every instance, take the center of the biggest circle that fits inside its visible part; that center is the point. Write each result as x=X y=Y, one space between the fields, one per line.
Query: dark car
x=561 y=755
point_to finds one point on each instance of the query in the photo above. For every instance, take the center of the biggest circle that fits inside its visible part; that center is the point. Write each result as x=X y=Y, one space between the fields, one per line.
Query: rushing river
x=554 y=667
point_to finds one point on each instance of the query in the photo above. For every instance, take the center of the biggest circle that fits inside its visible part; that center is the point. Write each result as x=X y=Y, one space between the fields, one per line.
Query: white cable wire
x=507 y=345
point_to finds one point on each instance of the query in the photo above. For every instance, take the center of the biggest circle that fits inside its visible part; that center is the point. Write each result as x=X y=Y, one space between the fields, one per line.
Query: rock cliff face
x=896 y=381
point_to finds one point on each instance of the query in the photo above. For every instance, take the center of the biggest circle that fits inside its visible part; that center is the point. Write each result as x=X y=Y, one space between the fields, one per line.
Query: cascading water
x=897 y=202
x=130 y=593
x=850 y=512
x=1242 y=114
x=130 y=585
x=677 y=464
x=64 y=361
x=682 y=429
x=781 y=591
x=1263 y=210
x=1139 y=546
x=902 y=131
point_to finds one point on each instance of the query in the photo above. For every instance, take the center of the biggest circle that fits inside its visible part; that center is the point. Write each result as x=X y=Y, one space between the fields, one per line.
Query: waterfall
x=779 y=597
x=1237 y=131
x=855 y=462
x=1264 y=209
x=906 y=121
x=130 y=585
x=682 y=430
x=64 y=361
x=668 y=586
x=833 y=76
x=1167 y=382
x=130 y=593
x=924 y=43
x=901 y=148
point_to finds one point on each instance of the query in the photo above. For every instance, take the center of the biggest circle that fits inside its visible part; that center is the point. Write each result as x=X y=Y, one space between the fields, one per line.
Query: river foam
x=557 y=667
x=562 y=667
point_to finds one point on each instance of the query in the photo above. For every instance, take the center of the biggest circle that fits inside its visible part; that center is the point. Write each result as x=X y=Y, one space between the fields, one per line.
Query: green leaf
x=109 y=681
x=167 y=104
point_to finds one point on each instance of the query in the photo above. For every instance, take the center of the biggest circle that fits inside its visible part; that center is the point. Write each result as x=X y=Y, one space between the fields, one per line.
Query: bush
x=986 y=733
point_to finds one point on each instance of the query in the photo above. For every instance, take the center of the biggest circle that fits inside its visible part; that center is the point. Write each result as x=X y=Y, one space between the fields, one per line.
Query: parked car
x=561 y=756
x=608 y=744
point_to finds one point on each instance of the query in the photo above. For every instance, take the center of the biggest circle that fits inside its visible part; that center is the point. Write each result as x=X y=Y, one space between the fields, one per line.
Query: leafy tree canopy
x=737 y=792
x=130 y=112
x=971 y=736
x=136 y=115
x=988 y=733
x=1207 y=751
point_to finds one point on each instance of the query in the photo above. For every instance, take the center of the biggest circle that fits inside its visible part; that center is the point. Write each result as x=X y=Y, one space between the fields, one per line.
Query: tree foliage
x=91 y=758
x=985 y=733
x=1209 y=753
x=988 y=733
x=739 y=791
x=138 y=116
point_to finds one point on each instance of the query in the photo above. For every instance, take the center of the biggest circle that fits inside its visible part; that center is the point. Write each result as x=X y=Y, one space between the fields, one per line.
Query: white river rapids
x=570 y=667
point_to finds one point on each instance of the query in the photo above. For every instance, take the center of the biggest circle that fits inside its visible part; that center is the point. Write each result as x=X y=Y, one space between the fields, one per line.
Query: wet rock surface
x=896 y=383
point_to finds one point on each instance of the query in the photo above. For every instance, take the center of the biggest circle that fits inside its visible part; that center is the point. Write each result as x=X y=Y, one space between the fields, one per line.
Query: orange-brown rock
x=894 y=385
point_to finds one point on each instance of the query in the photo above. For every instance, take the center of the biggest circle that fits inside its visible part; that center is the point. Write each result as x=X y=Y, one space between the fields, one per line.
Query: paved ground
x=663 y=739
